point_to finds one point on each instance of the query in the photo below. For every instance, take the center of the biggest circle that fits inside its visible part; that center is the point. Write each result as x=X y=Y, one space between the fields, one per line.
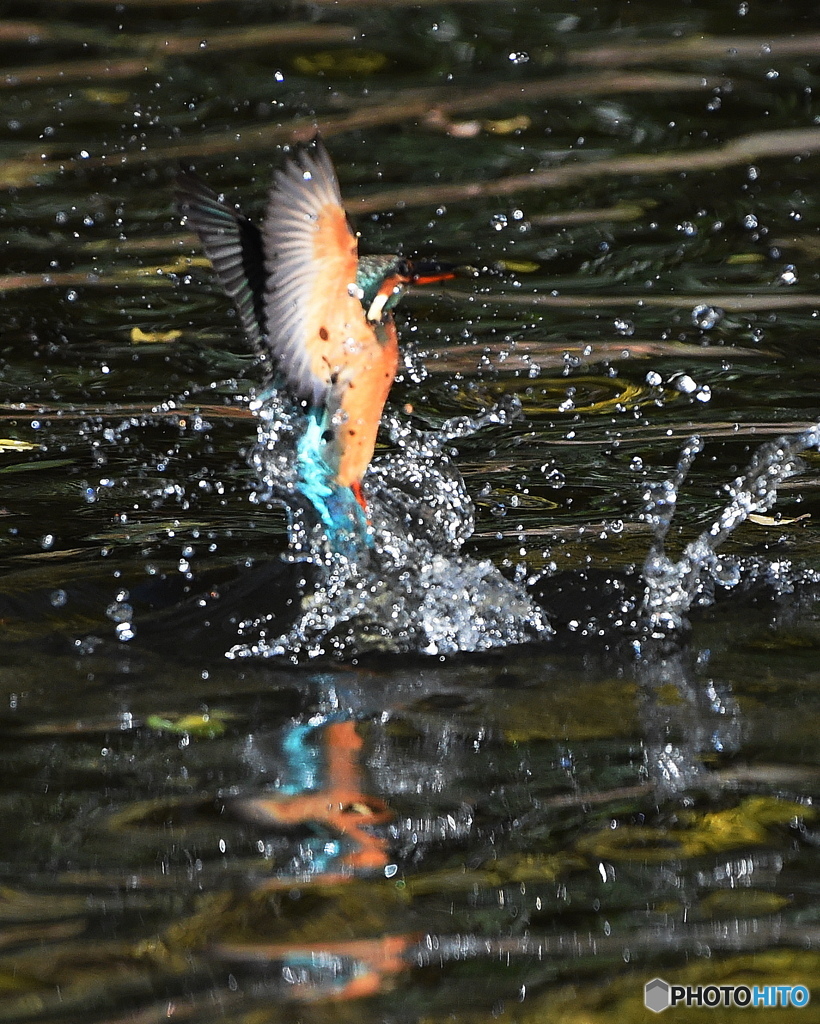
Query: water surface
x=527 y=834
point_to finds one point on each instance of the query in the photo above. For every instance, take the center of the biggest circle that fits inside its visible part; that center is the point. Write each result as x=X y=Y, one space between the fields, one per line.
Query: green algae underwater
x=527 y=834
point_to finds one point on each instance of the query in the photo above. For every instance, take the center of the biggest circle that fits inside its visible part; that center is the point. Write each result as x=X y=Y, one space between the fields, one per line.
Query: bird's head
x=383 y=279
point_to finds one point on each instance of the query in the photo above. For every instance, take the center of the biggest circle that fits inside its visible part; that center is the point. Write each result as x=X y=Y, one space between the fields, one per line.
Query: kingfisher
x=320 y=314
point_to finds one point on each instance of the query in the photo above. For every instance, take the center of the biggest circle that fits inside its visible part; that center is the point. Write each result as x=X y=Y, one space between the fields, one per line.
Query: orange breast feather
x=362 y=393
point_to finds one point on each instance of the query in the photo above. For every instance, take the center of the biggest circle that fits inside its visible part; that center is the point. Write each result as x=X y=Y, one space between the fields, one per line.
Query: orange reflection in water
x=376 y=962
x=340 y=804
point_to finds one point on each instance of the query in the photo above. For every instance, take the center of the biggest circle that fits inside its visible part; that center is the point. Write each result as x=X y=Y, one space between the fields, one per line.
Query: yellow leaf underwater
x=138 y=336
x=341 y=62
x=111 y=97
x=518 y=266
x=739 y=903
x=777 y=521
x=208 y=726
x=743 y=258
x=508 y=125
x=696 y=834
x=10 y=444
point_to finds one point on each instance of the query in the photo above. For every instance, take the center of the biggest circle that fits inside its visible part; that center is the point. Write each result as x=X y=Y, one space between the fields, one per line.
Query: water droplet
x=124 y=631
x=553 y=477
x=706 y=317
x=684 y=383
x=120 y=611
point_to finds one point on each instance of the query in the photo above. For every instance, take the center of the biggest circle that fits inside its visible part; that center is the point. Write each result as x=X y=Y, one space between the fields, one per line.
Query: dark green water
x=529 y=835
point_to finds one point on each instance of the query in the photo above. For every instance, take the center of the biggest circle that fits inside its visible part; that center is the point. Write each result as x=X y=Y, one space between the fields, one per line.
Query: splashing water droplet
x=672 y=587
x=403 y=585
x=706 y=317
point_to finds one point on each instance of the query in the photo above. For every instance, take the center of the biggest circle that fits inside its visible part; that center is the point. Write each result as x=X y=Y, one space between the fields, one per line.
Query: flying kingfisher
x=319 y=312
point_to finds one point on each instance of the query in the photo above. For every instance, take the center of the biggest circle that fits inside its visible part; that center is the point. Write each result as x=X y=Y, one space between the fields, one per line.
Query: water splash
x=399 y=582
x=672 y=587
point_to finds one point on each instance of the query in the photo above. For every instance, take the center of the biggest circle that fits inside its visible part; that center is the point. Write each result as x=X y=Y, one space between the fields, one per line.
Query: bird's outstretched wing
x=317 y=330
x=233 y=245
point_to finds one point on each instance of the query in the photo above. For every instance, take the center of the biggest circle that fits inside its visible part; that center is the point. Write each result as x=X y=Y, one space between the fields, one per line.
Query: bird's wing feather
x=316 y=325
x=233 y=245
